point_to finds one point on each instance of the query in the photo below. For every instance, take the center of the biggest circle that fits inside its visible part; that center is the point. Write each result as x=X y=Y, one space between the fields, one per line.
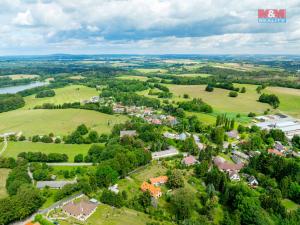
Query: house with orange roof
x=156 y=181
x=154 y=191
x=32 y=223
x=275 y=152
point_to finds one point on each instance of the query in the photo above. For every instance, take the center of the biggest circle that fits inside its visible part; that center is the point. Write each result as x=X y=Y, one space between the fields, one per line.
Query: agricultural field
x=220 y=100
x=58 y=121
x=289 y=99
x=3 y=177
x=127 y=77
x=78 y=77
x=194 y=75
x=152 y=70
x=14 y=148
x=72 y=93
x=22 y=76
x=240 y=66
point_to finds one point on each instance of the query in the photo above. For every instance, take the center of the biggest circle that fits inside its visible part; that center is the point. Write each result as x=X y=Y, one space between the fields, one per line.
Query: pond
x=15 y=89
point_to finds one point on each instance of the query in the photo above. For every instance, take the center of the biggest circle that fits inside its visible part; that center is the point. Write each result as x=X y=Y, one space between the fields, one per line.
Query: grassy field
x=219 y=99
x=59 y=121
x=106 y=215
x=22 y=76
x=78 y=77
x=14 y=148
x=194 y=75
x=72 y=93
x=141 y=78
x=152 y=70
x=205 y=118
x=3 y=176
x=289 y=205
x=289 y=99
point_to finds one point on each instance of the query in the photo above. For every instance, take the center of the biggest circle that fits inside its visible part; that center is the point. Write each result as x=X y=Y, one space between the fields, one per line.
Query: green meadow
x=158 y=70
x=194 y=75
x=72 y=93
x=128 y=77
x=58 y=121
x=14 y=148
x=219 y=99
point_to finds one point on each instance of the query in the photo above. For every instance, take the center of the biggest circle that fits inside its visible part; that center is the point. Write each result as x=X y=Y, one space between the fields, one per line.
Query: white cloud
x=24 y=18
x=147 y=26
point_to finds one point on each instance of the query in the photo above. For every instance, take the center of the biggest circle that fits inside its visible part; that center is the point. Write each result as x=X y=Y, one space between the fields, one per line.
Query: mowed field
x=58 y=121
x=72 y=93
x=194 y=75
x=289 y=99
x=14 y=148
x=3 y=177
x=158 y=70
x=220 y=100
x=127 y=77
x=22 y=76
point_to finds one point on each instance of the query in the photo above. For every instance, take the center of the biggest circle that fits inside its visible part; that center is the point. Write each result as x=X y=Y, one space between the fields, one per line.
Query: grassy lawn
x=205 y=118
x=152 y=70
x=72 y=93
x=3 y=177
x=194 y=75
x=107 y=215
x=22 y=76
x=14 y=148
x=50 y=200
x=60 y=121
x=289 y=205
x=219 y=99
x=127 y=77
x=289 y=99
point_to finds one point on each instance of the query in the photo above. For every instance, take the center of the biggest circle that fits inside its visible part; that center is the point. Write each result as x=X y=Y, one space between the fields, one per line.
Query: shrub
x=233 y=94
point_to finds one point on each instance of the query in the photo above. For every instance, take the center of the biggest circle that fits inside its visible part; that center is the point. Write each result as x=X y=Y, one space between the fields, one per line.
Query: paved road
x=4 y=146
x=69 y=164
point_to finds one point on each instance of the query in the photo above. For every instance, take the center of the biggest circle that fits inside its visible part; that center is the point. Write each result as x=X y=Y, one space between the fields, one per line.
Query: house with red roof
x=189 y=160
x=275 y=152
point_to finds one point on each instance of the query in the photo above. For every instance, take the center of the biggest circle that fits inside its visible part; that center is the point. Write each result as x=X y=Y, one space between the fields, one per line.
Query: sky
x=37 y=27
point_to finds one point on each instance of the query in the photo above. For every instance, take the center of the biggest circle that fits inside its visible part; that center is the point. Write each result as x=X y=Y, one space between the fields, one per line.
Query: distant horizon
x=153 y=54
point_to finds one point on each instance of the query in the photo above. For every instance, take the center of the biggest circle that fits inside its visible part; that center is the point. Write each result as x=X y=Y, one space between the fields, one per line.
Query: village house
x=114 y=188
x=130 y=133
x=275 y=152
x=80 y=210
x=252 y=181
x=154 y=191
x=156 y=181
x=171 y=120
x=234 y=176
x=32 y=223
x=189 y=160
x=233 y=134
x=166 y=153
x=280 y=147
x=226 y=166
x=241 y=155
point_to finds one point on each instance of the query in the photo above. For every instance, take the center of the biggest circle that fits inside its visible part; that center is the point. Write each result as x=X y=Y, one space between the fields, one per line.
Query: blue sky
x=146 y=27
